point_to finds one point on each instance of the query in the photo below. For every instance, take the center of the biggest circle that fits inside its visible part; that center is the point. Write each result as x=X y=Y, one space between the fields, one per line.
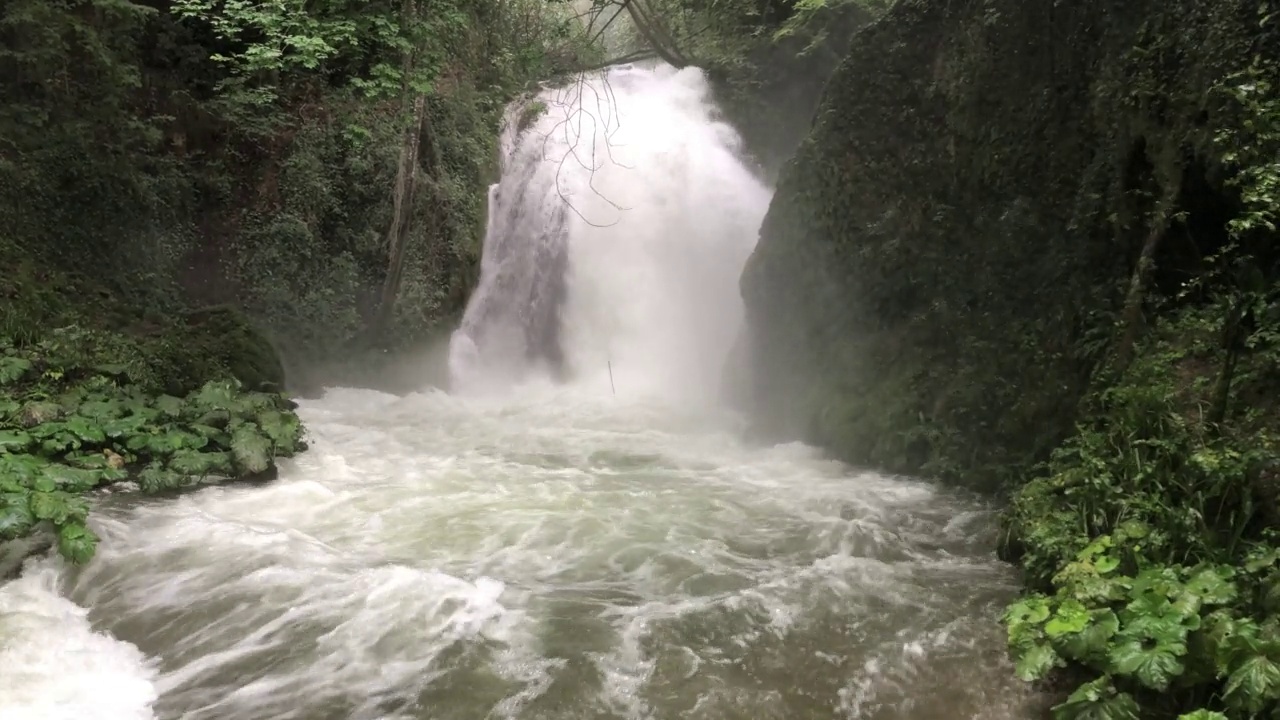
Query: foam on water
x=55 y=666
x=560 y=554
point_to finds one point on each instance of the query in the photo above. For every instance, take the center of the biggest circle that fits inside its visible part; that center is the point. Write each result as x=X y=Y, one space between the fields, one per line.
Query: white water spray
x=616 y=238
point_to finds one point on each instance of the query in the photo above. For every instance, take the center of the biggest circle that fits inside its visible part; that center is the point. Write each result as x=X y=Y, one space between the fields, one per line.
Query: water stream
x=575 y=530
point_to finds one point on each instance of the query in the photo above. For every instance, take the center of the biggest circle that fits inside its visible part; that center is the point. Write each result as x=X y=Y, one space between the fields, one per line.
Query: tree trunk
x=657 y=36
x=1131 y=317
x=402 y=216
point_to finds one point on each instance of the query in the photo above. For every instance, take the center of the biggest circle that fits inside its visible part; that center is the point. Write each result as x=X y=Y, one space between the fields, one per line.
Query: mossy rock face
x=222 y=337
x=946 y=255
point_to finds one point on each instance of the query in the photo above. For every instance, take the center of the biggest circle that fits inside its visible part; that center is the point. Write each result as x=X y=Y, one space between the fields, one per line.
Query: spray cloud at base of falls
x=615 y=239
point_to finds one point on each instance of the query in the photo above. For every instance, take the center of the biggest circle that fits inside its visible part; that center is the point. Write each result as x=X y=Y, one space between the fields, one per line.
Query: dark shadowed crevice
x=1198 y=233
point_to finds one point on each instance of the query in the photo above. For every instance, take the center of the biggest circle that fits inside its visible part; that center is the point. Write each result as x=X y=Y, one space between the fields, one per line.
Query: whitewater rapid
x=575 y=529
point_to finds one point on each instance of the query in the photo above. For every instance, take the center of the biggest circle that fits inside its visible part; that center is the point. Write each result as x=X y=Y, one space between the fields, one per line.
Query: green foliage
x=1169 y=629
x=1252 y=147
x=1146 y=539
x=67 y=429
x=769 y=59
x=195 y=151
x=807 y=16
x=1156 y=520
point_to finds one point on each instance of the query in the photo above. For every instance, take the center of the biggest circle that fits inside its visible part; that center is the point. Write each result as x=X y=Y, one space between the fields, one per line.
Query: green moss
x=530 y=115
x=221 y=341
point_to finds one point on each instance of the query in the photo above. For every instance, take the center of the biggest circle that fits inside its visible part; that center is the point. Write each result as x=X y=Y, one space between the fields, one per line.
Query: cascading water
x=616 y=239
x=520 y=548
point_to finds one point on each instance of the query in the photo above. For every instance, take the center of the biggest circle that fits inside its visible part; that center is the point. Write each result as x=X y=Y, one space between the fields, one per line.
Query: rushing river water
x=603 y=547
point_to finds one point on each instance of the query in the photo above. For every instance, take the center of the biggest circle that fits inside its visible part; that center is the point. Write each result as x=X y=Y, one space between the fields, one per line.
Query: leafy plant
x=1145 y=542
x=102 y=432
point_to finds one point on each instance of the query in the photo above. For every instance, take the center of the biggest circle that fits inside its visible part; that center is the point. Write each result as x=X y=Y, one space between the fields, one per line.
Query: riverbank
x=87 y=404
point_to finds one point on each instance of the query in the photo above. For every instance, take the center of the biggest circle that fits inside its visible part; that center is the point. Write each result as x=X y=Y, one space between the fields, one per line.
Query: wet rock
x=14 y=553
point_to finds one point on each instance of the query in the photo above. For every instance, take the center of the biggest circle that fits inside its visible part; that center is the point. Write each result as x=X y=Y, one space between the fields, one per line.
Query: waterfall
x=616 y=237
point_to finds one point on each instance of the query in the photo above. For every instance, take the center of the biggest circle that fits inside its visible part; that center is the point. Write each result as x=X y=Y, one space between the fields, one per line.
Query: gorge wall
x=947 y=256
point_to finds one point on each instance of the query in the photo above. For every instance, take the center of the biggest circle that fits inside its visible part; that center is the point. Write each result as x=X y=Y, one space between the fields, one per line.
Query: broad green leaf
x=1160 y=581
x=76 y=543
x=124 y=426
x=60 y=443
x=101 y=410
x=1097 y=700
x=14 y=441
x=201 y=464
x=12 y=369
x=1082 y=581
x=82 y=479
x=140 y=442
x=1261 y=559
x=77 y=508
x=23 y=469
x=1035 y=662
x=174 y=440
x=1157 y=619
x=1132 y=530
x=1096 y=547
x=1093 y=641
x=85 y=429
x=1155 y=663
x=50 y=506
x=1254 y=684
x=215 y=395
x=208 y=432
x=215 y=418
x=251 y=403
x=1210 y=586
x=16 y=518
x=1028 y=611
x=1070 y=617
x=1230 y=640
x=283 y=429
x=169 y=405
x=156 y=478
x=251 y=449
x=1106 y=564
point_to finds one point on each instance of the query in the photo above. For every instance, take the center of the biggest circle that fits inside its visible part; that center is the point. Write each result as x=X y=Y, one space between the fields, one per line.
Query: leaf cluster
x=63 y=436
x=1193 y=633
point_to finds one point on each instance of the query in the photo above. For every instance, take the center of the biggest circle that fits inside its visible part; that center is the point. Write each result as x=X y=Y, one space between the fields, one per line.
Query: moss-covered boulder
x=948 y=254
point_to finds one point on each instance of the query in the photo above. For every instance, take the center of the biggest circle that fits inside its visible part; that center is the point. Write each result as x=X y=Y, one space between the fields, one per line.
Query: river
x=601 y=545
